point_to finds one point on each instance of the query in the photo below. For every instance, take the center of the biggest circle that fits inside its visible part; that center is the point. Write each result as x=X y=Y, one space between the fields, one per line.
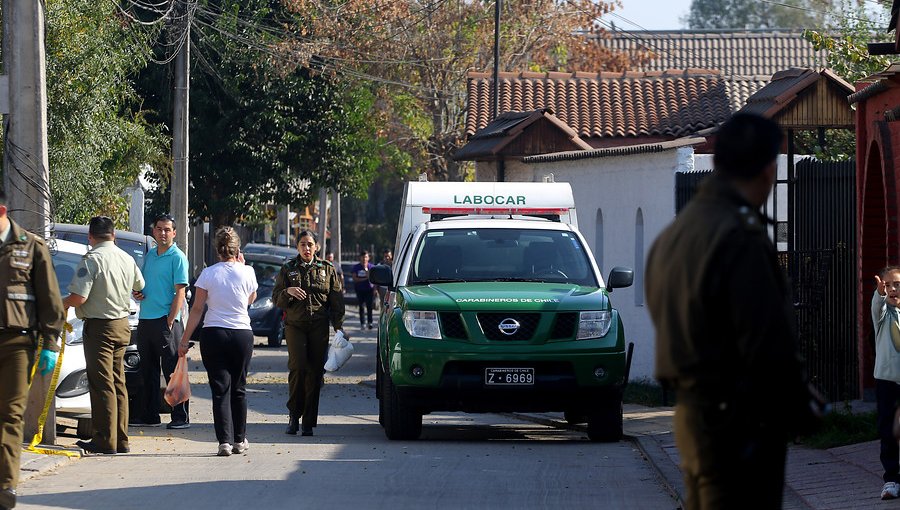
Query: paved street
x=462 y=461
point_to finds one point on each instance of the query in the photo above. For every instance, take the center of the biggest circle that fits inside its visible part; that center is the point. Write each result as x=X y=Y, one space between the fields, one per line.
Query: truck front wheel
x=400 y=421
x=604 y=424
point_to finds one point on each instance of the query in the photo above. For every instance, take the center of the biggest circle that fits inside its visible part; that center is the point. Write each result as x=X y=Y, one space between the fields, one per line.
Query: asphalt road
x=461 y=461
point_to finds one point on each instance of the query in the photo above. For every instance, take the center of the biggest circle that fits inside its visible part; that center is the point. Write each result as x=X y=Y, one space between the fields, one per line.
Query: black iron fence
x=821 y=265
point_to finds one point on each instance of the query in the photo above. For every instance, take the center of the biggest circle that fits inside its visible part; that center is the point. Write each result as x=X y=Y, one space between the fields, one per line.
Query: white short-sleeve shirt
x=229 y=285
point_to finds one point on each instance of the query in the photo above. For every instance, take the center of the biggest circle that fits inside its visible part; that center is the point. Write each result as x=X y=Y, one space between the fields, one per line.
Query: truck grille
x=564 y=326
x=452 y=325
x=491 y=325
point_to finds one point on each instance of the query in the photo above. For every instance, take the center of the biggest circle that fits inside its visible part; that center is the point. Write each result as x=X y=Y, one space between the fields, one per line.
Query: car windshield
x=64 y=264
x=265 y=271
x=137 y=250
x=490 y=254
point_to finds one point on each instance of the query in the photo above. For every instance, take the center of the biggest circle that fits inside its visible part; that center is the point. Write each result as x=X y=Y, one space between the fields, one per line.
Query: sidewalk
x=848 y=477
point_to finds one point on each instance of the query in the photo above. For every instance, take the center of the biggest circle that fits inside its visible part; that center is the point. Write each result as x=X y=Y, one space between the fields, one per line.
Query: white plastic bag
x=339 y=351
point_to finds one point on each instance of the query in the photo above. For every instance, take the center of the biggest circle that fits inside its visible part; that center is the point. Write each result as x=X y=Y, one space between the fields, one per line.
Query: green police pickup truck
x=497 y=305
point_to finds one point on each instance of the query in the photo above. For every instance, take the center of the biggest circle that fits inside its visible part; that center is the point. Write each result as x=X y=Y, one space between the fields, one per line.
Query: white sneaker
x=224 y=450
x=891 y=490
x=239 y=448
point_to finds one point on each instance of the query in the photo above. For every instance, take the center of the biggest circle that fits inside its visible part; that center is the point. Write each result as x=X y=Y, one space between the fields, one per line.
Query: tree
x=419 y=52
x=753 y=14
x=262 y=128
x=98 y=137
x=844 y=39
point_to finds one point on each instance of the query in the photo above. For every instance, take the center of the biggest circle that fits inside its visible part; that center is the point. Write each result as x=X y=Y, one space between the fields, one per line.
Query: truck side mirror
x=382 y=275
x=619 y=277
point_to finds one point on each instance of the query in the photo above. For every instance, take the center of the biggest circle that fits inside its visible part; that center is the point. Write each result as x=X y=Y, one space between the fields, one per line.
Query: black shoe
x=307 y=431
x=123 y=449
x=7 y=498
x=90 y=447
x=178 y=425
x=293 y=426
x=370 y=326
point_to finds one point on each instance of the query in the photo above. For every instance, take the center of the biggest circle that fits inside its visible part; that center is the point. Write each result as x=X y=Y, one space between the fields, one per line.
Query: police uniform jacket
x=323 y=287
x=722 y=309
x=28 y=287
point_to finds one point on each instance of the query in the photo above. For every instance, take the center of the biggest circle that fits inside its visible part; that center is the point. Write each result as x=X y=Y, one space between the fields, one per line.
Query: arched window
x=598 y=240
x=639 y=258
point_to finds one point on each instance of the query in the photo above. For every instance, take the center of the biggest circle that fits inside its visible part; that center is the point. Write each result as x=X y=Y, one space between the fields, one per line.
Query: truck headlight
x=265 y=302
x=422 y=324
x=593 y=324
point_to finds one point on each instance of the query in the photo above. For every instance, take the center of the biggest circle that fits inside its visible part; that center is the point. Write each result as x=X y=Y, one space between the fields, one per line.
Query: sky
x=650 y=14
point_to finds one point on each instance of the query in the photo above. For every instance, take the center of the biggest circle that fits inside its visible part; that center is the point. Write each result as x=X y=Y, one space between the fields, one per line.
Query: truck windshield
x=491 y=254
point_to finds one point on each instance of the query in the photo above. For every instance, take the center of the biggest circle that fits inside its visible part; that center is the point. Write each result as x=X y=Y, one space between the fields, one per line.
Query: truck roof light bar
x=523 y=211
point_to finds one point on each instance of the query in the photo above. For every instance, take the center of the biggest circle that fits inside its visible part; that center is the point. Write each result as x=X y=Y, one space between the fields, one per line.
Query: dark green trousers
x=307 y=345
x=16 y=358
x=727 y=459
x=105 y=341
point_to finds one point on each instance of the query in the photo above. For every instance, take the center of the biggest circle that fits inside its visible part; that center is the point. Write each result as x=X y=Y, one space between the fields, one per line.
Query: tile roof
x=615 y=105
x=627 y=150
x=733 y=52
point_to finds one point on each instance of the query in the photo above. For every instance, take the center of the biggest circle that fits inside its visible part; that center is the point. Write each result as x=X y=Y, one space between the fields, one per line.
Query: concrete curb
x=33 y=464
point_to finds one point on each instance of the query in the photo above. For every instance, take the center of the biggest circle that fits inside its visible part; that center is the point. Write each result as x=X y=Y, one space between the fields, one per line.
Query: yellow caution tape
x=51 y=391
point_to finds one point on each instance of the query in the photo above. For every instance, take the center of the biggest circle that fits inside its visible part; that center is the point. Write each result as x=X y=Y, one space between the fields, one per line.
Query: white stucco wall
x=618 y=187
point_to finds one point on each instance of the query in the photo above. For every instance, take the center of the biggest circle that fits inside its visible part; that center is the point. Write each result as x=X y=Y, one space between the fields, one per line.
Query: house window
x=598 y=240
x=639 y=259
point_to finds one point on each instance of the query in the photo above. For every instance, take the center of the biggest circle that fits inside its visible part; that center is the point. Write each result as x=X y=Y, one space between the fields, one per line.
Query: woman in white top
x=226 y=341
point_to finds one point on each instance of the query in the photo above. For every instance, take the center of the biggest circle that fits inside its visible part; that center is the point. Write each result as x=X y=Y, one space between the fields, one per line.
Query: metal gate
x=821 y=263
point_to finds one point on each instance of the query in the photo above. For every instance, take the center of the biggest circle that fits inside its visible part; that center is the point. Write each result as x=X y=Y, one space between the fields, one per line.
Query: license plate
x=509 y=376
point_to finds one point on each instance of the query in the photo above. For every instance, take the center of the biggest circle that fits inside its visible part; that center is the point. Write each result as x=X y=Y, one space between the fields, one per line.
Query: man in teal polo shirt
x=160 y=326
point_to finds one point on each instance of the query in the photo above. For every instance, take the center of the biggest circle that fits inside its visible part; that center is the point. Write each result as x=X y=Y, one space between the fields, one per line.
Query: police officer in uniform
x=101 y=294
x=310 y=291
x=725 y=334
x=32 y=308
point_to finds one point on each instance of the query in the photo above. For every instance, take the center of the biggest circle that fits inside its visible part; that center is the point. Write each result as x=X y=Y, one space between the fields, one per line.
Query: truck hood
x=488 y=296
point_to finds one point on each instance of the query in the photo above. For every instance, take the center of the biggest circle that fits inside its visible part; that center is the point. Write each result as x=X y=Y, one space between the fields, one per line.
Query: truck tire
x=400 y=421
x=276 y=337
x=379 y=375
x=85 y=429
x=574 y=417
x=604 y=425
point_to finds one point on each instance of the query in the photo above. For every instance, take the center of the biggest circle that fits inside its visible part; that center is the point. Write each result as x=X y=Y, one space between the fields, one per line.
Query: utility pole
x=336 y=227
x=179 y=198
x=495 y=90
x=26 y=177
x=323 y=219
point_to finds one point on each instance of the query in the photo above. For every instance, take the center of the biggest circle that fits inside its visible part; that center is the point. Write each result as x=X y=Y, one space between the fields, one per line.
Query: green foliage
x=98 y=137
x=263 y=130
x=843 y=427
x=845 y=41
x=753 y=14
x=647 y=392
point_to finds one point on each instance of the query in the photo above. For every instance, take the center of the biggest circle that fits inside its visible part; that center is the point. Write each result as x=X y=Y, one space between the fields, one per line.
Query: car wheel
x=276 y=337
x=604 y=425
x=85 y=428
x=378 y=394
x=400 y=421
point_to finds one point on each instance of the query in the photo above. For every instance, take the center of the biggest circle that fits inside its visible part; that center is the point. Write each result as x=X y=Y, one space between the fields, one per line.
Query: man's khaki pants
x=105 y=341
x=16 y=358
